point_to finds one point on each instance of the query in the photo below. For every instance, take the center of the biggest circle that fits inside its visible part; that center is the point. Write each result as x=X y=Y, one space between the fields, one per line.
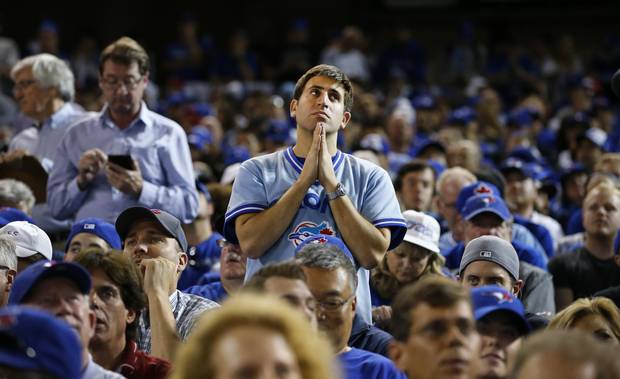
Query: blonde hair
x=314 y=354
x=605 y=185
x=607 y=158
x=580 y=308
x=386 y=284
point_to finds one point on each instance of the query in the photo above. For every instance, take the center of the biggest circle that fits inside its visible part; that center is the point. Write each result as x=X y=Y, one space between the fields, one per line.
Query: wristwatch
x=337 y=193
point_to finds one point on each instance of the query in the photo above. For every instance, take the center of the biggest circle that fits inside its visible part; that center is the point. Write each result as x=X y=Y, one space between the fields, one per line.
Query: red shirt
x=137 y=364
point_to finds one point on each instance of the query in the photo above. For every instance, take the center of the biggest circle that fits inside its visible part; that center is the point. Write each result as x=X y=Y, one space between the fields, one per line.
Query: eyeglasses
x=23 y=84
x=112 y=82
x=332 y=304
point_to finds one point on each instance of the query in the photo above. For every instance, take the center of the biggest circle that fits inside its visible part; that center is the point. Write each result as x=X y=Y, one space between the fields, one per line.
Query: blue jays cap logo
x=502 y=297
x=483 y=189
x=308 y=229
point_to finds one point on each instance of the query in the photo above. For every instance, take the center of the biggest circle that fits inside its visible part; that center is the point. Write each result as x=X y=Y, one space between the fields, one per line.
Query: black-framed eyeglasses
x=23 y=84
x=332 y=304
x=112 y=82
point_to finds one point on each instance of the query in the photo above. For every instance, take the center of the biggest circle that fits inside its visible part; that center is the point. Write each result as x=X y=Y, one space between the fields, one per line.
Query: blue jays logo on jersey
x=308 y=229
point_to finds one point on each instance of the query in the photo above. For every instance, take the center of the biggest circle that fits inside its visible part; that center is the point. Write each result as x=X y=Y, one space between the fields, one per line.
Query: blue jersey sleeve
x=380 y=206
x=248 y=196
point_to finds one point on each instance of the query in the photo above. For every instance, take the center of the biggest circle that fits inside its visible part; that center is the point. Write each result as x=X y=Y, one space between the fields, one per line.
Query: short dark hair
x=121 y=272
x=125 y=51
x=331 y=72
x=288 y=269
x=327 y=257
x=414 y=165
x=436 y=291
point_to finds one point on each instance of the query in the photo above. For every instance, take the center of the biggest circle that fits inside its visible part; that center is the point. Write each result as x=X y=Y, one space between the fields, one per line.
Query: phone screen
x=124 y=161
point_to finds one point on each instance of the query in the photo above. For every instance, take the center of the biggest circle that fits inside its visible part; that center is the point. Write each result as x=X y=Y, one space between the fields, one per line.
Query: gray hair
x=14 y=193
x=8 y=256
x=328 y=257
x=49 y=72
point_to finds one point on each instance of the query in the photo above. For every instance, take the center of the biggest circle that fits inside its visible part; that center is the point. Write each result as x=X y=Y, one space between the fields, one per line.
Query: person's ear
x=293 y=108
x=182 y=263
x=346 y=117
x=516 y=287
x=131 y=316
x=354 y=304
x=10 y=278
x=398 y=355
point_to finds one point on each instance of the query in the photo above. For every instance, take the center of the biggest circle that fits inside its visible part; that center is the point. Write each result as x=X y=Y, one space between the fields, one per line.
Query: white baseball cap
x=422 y=230
x=29 y=238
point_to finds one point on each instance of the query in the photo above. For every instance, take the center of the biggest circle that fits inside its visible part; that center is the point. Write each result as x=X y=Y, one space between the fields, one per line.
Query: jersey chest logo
x=308 y=229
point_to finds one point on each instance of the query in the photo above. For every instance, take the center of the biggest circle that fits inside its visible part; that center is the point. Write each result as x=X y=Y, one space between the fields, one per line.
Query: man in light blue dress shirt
x=44 y=91
x=85 y=183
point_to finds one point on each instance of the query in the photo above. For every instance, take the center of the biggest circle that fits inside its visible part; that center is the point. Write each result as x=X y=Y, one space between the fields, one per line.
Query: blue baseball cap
x=199 y=137
x=424 y=101
x=461 y=116
x=98 y=227
x=203 y=189
x=13 y=214
x=33 y=274
x=529 y=170
x=595 y=135
x=476 y=188
x=326 y=239
x=35 y=340
x=236 y=154
x=486 y=203
x=427 y=144
x=171 y=224
x=520 y=118
x=491 y=299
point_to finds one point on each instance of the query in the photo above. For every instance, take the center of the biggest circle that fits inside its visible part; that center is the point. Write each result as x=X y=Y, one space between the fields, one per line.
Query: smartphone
x=124 y=161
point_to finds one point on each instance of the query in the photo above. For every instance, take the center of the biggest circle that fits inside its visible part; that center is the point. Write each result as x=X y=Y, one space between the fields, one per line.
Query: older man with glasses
x=125 y=156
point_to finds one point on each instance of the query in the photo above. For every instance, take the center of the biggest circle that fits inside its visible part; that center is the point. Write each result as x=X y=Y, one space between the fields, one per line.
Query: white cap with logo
x=422 y=230
x=29 y=238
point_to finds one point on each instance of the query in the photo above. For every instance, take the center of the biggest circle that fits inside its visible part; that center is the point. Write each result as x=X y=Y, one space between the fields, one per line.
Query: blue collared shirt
x=157 y=143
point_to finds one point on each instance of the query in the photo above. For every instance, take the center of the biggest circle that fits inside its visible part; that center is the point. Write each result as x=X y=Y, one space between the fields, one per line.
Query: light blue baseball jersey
x=261 y=182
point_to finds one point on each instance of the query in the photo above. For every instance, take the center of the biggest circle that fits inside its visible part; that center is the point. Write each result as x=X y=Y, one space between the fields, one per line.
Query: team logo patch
x=486 y=254
x=501 y=297
x=89 y=226
x=419 y=228
x=308 y=229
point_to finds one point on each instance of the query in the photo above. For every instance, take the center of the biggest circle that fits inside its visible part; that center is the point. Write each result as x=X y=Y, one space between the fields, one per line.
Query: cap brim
x=483 y=210
x=523 y=325
x=74 y=272
x=422 y=243
x=23 y=252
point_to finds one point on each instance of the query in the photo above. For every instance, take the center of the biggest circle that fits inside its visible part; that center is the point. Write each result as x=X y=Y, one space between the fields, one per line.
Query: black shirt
x=583 y=273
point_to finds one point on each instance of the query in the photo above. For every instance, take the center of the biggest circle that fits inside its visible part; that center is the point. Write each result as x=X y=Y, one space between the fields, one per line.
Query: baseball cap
x=529 y=170
x=98 y=227
x=424 y=101
x=520 y=118
x=35 y=340
x=29 y=238
x=461 y=116
x=491 y=299
x=594 y=135
x=199 y=137
x=34 y=273
x=476 y=188
x=491 y=249
x=13 y=214
x=486 y=203
x=326 y=239
x=422 y=230
x=167 y=221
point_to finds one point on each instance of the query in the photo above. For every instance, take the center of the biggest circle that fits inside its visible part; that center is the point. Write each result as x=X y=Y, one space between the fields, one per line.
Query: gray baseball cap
x=492 y=249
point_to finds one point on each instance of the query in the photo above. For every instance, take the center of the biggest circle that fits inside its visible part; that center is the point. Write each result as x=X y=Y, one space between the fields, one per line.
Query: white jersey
x=263 y=180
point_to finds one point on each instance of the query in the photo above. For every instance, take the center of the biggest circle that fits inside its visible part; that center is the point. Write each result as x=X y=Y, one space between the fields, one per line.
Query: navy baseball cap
x=486 y=203
x=34 y=340
x=476 y=188
x=98 y=227
x=41 y=270
x=326 y=239
x=424 y=101
x=461 y=116
x=529 y=170
x=167 y=221
x=520 y=118
x=203 y=189
x=490 y=299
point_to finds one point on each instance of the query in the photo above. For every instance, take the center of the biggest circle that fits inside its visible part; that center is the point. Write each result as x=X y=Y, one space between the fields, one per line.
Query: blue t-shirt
x=213 y=291
x=205 y=256
x=360 y=364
